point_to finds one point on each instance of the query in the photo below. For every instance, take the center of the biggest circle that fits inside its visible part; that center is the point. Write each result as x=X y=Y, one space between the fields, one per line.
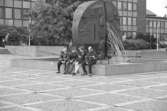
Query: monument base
x=98 y=69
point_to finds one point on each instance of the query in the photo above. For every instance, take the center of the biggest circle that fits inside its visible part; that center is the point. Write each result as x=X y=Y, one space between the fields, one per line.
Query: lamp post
x=29 y=31
x=106 y=36
x=158 y=35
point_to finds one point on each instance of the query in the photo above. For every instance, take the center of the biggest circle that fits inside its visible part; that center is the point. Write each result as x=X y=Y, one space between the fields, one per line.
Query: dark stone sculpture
x=89 y=23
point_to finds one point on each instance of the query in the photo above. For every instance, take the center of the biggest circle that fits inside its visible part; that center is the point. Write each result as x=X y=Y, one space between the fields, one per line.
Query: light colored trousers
x=77 y=66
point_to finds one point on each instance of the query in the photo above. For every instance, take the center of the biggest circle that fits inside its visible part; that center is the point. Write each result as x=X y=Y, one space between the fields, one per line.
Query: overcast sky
x=157 y=6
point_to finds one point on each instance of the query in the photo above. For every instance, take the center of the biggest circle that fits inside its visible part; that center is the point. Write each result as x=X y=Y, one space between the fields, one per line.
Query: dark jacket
x=82 y=57
x=91 y=57
x=63 y=56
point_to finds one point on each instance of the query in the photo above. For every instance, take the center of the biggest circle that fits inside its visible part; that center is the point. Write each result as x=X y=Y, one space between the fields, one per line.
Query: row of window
x=17 y=3
x=135 y=1
x=128 y=28
x=129 y=34
x=159 y=30
x=127 y=13
x=128 y=6
x=128 y=21
x=13 y=13
x=161 y=37
x=155 y=24
x=156 y=28
x=11 y=22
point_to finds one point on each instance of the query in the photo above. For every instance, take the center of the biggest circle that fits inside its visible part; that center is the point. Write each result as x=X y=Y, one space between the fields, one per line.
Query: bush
x=136 y=44
x=17 y=35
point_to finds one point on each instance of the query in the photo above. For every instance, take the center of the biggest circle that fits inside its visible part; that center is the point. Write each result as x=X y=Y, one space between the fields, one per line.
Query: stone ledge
x=98 y=69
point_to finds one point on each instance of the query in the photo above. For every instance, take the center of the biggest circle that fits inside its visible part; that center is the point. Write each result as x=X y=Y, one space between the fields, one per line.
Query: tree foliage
x=53 y=21
x=17 y=35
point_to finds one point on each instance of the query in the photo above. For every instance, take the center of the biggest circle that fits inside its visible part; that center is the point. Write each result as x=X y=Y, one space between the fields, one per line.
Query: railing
x=114 y=40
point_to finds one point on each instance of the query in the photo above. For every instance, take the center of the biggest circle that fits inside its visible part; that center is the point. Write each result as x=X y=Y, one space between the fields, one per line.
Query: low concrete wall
x=135 y=68
x=147 y=53
x=98 y=69
x=35 y=51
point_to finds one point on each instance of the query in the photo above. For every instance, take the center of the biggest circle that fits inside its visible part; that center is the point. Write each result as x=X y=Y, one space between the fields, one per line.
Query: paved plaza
x=41 y=90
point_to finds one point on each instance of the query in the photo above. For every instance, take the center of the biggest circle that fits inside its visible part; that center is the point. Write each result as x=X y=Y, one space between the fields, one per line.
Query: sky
x=157 y=6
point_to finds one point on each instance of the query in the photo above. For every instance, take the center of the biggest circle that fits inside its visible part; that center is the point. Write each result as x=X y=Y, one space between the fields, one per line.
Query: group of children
x=75 y=59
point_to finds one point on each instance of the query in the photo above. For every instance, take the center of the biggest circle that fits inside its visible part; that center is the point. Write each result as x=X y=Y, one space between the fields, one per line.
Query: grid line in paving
x=42 y=90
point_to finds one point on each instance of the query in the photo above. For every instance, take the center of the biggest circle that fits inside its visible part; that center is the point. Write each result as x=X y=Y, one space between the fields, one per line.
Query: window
x=119 y=5
x=17 y=3
x=114 y=3
x=134 y=34
x=134 y=14
x=125 y=6
x=17 y=13
x=150 y=24
x=129 y=6
x=1 y=2
x=154 y=24
x=134 y=6
x=25 y=23
x=124 y=21
x=163 y=25
x=9 y=3
x=130 y=13
x=1 y=12
x=25 y=14
x=18 y=23
x=124 y=13
x=134 y=21
x=129 y=21
x=8 y=12
x=26 y=4
x=9 y=22
x=120 y=13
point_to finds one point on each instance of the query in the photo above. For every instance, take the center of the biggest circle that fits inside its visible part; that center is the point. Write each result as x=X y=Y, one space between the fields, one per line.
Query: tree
x=17 y=35
x=53 y=21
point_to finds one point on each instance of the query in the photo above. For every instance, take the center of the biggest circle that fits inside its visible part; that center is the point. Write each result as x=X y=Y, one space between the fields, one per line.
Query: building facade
x=132 y=16
x=156 y=26
x=15 y=12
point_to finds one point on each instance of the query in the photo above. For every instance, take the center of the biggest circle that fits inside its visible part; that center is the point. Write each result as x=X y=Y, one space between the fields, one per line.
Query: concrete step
x=4 y=51
x=98 y=69
x=34 y=64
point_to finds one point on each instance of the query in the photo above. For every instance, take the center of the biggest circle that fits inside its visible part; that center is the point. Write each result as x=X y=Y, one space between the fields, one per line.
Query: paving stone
x=148 y=106
x=146 y=93
x=110 y=87
x=112 y=79
x=68 y=105
x=25 y=76
x=131 y=76
x=76 y=83
x=40 y=87
x=163 y=99
x=49 y=79
x=160 y=79
x=139 y=83
x=5 y=78
x=15 y=109
x=4 y=104
x=161 y=87
x=73 y=92
x=27 y=98
x=7 y=91
x=77 y=96
x=16 y=82
x=113 y=109
x=109 y=99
